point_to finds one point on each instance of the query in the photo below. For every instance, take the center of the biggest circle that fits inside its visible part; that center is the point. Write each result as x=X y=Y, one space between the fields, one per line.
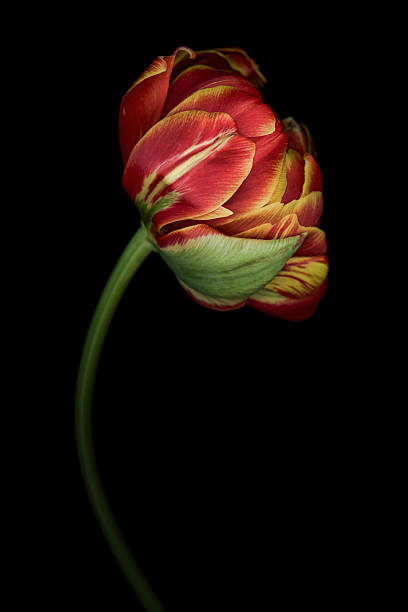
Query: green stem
x=134 y=254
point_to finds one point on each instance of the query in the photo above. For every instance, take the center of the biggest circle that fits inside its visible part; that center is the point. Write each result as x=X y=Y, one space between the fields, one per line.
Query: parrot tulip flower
x=230 y=195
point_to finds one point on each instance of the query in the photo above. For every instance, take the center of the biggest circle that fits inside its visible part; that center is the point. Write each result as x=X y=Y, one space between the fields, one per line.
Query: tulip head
x=230 y=195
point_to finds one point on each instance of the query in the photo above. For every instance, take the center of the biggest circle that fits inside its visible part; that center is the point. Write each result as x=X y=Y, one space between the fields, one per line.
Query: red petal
x=142 y=105
x=308 y=211
x=295 y=176
x=240 y=60
x=226 y=58
x=252 y=116
x=176 y=158
x=201 y=77
x=313 y=175
x=296 y=291
x=296 y=136
x=314 y=243
x=256 y=190
x=207 y=58
x=291 y=309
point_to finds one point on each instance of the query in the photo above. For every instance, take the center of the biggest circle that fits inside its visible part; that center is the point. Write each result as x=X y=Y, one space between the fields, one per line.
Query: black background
x=223 y=439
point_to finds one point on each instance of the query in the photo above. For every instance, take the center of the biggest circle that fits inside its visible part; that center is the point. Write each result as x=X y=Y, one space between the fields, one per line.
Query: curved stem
x=134 y=254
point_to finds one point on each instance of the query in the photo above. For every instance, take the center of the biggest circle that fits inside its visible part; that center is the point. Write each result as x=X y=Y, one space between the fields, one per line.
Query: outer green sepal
x=222 y=266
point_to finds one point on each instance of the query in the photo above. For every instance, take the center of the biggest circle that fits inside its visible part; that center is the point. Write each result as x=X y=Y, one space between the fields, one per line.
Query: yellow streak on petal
x=279 y=183
x=195 y=68
x=217 y=213
x=146 y=184
x=310 y=172
x=300 y=276
x=182 y=168
x=261 y=231
x=288 y=226
x=156 y=67
x=210 y=96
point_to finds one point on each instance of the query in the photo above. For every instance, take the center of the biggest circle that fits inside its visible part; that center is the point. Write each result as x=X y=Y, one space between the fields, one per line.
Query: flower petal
x=168 y=171
x=240 y=60
x=314 y=243
x=299 y=137
x=201 y=77
x=222 y=267
x=217 y=213
x=252 y=116
x=226 y=58
x=260 y=231
x=142 y=105
x=206 y=58
x=308 y=211
x=313 y=175
x=295 y=175
x=265 y=177
x=296 y=291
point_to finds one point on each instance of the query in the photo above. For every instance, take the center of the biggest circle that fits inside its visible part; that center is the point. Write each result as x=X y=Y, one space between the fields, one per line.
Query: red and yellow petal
x=172 y=164
x=295 y=175
x=314 y=243
x=240 y=60
x=295 y=292
x=260 y=232
x=265 y=177
x=252 y=116
x=301 y=276
x=313 y=175
x=308 y=211
x=205 y=58
x=201 y=77
x=296 y=136
x=233 y=58
x=299 y=137
x=142 y=105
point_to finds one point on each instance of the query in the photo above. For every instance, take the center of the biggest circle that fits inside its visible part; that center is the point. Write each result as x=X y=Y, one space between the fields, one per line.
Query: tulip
x=230 y=195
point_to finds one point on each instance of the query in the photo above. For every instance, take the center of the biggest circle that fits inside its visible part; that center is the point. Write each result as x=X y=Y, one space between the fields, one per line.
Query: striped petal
x=314 y=243
x=260 y=231
x=168 y=171
x=221 y=267
x=239 y=60
x=295 y=292
x=205 y=58
x=313 y=175
x=265 y=177
x=308 y=211
x=299 y=137
x=295 y=175
x=201 y=77
x=252 y=116
x=142 y=105
x=225 y=58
